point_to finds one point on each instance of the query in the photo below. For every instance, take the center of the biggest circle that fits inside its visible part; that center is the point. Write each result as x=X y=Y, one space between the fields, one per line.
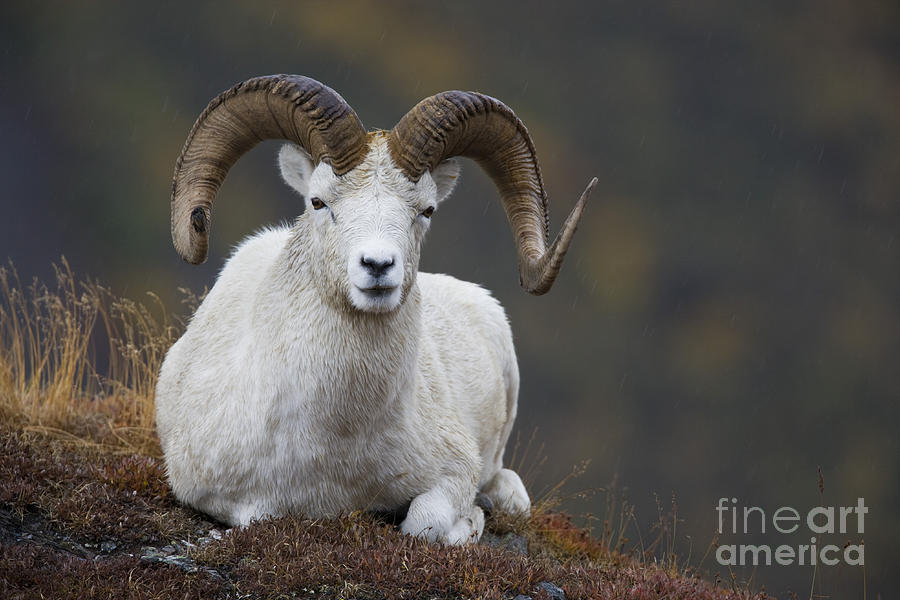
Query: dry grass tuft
x=51 y=341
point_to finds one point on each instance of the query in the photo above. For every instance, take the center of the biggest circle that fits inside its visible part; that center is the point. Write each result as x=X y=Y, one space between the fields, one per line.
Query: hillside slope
x=80 y=521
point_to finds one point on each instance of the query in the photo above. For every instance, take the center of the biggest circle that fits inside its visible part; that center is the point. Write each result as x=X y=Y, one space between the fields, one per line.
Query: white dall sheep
x=322 y=373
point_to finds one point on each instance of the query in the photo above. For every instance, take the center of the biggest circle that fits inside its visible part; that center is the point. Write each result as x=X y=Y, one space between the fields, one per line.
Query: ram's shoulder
x=256 y=251
x=248 y=265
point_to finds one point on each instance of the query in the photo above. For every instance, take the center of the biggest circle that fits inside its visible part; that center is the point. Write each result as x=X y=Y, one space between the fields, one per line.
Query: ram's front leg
x=445 y=514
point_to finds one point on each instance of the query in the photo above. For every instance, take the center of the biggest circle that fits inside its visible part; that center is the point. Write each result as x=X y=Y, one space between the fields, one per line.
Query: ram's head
x=370 y=196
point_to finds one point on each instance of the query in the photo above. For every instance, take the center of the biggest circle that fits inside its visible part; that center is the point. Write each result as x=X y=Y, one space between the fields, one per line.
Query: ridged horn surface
x=482 y=128
x=288 y=107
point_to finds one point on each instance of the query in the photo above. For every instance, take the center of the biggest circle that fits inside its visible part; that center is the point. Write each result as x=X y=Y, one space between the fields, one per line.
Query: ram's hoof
x=484 y=502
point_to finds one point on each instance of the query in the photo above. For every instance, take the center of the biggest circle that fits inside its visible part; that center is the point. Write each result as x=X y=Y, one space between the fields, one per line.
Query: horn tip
x=537 y=278
x=194 y=249
x=587 y=191
x=195 y=260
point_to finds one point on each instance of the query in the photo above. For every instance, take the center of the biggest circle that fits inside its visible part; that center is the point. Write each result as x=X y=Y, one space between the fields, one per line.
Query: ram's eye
x=316 y=203
x=428 y=212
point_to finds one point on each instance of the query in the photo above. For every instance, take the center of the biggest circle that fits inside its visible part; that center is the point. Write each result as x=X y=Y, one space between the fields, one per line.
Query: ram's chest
x=336 y=422
x=326 y=471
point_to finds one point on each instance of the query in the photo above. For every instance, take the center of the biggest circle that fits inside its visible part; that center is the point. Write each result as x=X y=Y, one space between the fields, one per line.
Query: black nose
x=376 y=267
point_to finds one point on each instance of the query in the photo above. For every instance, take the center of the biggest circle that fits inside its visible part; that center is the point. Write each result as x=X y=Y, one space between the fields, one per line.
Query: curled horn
x=483 y=128
x=289 y=107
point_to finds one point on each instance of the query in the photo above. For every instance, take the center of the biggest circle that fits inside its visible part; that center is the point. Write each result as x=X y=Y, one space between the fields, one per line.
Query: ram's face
x=367 y=226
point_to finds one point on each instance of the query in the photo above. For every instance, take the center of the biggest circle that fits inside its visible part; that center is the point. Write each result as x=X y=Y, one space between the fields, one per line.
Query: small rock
x=168 y=549
x=508 y=541
x=154 y=555
x=186 y=564
x=107 y=547
x=149 y=552
x=215 y=534
x=555 y=592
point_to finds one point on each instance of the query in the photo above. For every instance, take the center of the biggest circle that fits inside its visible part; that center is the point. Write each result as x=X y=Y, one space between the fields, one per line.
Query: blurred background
x=728 y=319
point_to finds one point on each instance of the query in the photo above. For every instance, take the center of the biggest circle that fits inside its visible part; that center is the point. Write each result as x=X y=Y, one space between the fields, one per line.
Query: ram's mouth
x=377 y=298
x=378 y=291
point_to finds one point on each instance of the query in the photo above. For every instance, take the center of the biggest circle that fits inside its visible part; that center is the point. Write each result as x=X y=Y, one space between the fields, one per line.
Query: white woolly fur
x=323 y=374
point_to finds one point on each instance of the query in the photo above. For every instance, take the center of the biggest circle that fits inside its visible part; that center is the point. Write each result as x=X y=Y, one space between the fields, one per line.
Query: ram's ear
x=296 y=167
x=445 y=176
